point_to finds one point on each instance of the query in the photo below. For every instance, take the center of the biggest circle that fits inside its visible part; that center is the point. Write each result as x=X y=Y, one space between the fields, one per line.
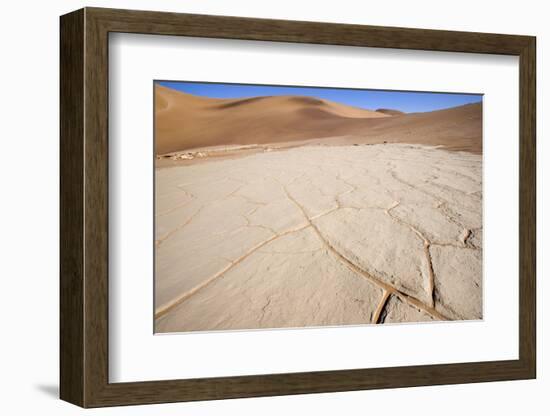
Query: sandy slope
x=390 y=112
x=319 y=235
x=184 y=121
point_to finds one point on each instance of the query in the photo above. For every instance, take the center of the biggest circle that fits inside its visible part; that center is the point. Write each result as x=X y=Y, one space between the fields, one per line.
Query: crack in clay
x=249 y=224
x=264 y=308
x=469 y=242
x=388 y=288
x=376 y=317
x=427 y=243
x=449 y=188
x=454 y=172
x=188 y=221
x=179 y=227
x=164 y=309
x=443 y=206
x=442 y=203
x=178 y=206
x=465 y=236
x=461 y=239
x=247 y=199
x=291 y=253
x=448 y=307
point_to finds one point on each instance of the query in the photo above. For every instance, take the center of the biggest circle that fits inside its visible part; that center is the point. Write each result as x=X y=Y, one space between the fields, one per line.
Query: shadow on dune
x=184 y=121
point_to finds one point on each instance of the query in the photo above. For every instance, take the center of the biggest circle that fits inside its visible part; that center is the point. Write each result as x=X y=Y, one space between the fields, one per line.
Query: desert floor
x=319 y=235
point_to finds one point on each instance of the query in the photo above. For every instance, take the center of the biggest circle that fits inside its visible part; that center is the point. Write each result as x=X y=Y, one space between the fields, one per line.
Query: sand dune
x=390 y=112
x=184 y=121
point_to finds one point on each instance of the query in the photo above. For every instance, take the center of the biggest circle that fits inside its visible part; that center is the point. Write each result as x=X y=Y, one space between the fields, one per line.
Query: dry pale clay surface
x=319 y=235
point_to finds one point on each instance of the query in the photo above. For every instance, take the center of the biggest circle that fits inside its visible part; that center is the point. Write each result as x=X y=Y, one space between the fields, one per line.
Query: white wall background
x=29 y=206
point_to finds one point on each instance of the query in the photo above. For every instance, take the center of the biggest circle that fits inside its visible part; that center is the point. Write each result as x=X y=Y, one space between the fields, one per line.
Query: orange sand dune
x=184 y=121
x=390 y=112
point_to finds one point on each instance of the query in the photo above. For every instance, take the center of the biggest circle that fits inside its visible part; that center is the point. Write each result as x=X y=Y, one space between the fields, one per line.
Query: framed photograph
x=255 y=207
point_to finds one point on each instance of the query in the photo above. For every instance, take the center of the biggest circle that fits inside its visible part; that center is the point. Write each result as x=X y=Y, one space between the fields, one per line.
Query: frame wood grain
x=84 y=207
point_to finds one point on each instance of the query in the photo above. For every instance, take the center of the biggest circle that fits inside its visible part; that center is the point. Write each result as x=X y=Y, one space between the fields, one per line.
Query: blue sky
x=406 y=101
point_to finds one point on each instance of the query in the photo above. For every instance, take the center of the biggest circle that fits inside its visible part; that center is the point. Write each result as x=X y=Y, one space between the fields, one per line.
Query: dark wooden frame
x=84 y=207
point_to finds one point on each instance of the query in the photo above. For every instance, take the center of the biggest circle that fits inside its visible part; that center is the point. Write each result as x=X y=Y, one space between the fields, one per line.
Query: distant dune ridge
x=389 y=111
x=184 y=121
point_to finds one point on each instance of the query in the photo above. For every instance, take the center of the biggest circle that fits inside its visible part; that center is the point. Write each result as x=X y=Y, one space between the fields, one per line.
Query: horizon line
x=405 y=100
